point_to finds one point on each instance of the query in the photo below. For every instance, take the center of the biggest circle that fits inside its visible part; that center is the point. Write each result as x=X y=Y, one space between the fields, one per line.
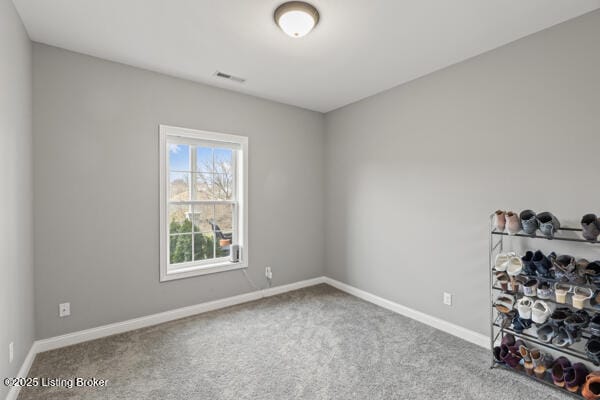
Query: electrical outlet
x=11 y=352
x=268 y=273
x=64 y=309
x=448 y=299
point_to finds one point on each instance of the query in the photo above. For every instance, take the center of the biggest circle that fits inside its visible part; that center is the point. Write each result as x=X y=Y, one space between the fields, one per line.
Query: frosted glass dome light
x=296 y=18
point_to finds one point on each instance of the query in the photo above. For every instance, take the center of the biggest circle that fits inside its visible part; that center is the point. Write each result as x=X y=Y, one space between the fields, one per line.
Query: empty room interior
x=275 y=199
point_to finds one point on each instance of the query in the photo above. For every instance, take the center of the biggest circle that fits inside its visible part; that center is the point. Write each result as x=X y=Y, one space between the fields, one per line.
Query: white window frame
x=203 y=267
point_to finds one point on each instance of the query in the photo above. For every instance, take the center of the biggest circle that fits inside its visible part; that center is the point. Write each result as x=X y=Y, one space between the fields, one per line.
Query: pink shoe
x=499 y=221
x=513 y=223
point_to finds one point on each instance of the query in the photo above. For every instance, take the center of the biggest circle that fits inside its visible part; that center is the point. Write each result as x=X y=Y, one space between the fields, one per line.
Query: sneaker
x=529 y=221
x=590 y=227
x=499 y=221
x=513 y=223
x=548 y=224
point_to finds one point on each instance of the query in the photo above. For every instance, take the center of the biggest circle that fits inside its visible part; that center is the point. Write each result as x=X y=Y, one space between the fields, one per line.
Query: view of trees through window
x=201 y=202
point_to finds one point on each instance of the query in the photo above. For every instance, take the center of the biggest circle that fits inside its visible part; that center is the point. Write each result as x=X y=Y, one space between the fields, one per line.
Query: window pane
x=203 y=246
x=223 y=161
x=224 y=217
x=179 y=157
x=223 y=180
x=223 y=186
x=179 y=219
x=204 y=159
x=204 y=186
x=223 y=245
x=203 y=216
x=181 y=248
x=179 y=186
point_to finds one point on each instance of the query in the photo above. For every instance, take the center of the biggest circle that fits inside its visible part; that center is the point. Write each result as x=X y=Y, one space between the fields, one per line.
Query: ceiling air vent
x=223 y=75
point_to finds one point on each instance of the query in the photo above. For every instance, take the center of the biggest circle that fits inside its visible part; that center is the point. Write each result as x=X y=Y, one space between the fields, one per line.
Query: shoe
x=502 y=260
x=502 y=278
x=508 y=340
x=510 y=355
x=558 y=370
x=580 y=265
x=513 y=223
x=524 y=307
x=595 y=325
x=520 y=324
x=542 y=264
x=528 y=265
x=540 y=312
x=499 y=221
x=514 y=268
x=504 y=303
x=536 y=356
x=545 y=291
x=524 y=352
x=595 y=300
x=518 y=283
x=561 y=290
x=541 y=362
x=559 y=315
x=580 y=295
x=591 y=387
x=592 y=272
x=575 y=376
x=564 y=268
x=497 y=357
x=529 y=221
x=530 y=287
x=528 y=367
x=548 y=224
x=586 y=316
x=540 y=371
x=592 y=349
x=590 y=227
x=576 y=322
x=563 y=337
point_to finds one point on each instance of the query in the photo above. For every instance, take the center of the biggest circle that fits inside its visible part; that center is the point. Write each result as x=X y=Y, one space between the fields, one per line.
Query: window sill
x=201 y=270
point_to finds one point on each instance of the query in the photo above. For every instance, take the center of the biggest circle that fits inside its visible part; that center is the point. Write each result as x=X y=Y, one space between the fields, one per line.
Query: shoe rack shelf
x=588 y=309
x=561 y=235
x=546 y=381
x=570 y=351
x=498 y=329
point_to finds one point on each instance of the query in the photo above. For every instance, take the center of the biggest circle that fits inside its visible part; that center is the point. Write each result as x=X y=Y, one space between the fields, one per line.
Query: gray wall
x=414 y=172
x=96 y=182
x=16 y=232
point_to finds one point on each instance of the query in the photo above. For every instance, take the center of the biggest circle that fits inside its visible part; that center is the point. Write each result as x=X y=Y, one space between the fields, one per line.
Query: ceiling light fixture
x=296 y=18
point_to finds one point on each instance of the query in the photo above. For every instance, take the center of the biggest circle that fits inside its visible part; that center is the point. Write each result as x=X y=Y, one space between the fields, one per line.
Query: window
x=203 y=202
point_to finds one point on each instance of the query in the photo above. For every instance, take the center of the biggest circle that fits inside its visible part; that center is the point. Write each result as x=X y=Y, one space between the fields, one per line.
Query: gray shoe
x=590 y=227
x=548 y=223
x=529 y=221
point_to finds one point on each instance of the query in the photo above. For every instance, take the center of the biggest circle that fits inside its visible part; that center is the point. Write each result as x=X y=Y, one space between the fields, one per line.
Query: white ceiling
x=359 y=47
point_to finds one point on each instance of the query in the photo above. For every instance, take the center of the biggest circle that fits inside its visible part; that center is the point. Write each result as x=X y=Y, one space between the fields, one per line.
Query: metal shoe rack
x=498 y=329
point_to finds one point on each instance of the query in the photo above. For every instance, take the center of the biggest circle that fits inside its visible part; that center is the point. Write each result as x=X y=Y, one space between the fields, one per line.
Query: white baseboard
x=13 y=392
x=458 y=331
x=292 y=286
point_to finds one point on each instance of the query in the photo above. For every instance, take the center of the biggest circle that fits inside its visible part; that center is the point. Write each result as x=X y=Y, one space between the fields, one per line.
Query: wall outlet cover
x=64 y=309
x=448 y=299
